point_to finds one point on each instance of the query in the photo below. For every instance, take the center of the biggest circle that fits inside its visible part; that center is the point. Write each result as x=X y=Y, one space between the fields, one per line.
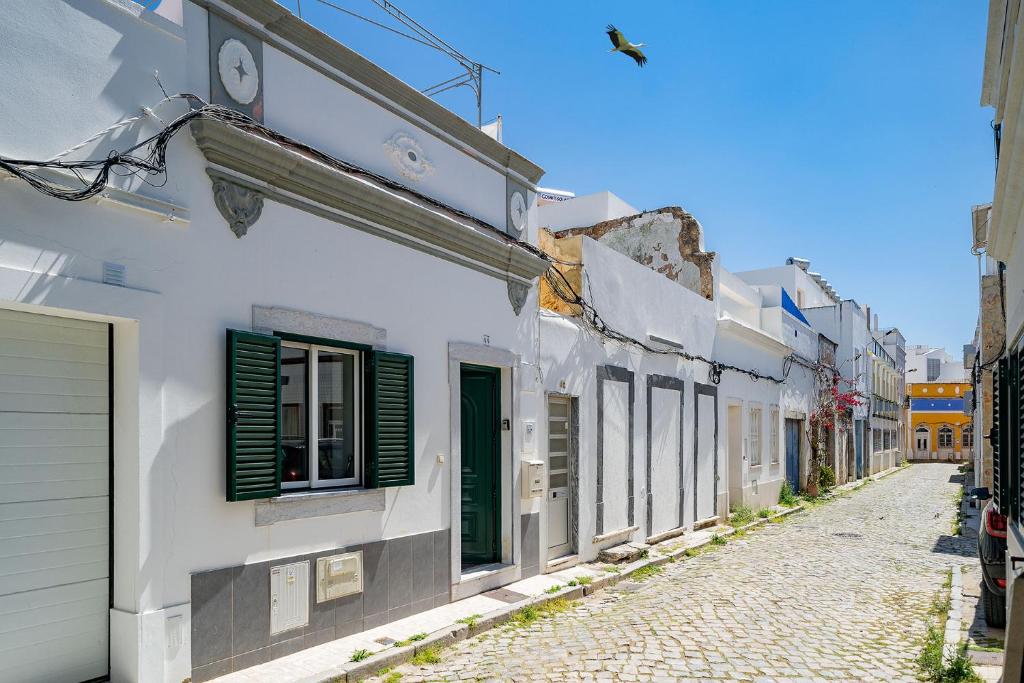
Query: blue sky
x=848 y=133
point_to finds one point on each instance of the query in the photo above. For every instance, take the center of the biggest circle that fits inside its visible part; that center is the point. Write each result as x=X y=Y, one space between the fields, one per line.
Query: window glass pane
x=336 y=456
x=558 y=408
x=558 y=444
x=294 y=411
x=558 y=481
x=559 y=462
x=558 y=426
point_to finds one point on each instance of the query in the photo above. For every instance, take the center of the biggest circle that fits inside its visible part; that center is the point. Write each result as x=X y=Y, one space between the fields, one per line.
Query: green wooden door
x=481 y=464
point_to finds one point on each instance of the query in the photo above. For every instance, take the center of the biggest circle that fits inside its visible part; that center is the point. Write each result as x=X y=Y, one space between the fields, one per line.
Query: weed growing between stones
x=717 y=540
x=411 y=639
x=741 y=515
x=360 y=655
x=581 y=581
x=787 y=496
x=611 y=569
x=427 y=655
x=931 y=661
x=646 y=572
x=392 y=677
x=469 y=621
x=532 y=613
x=764 y=513
x=958 y=499
x=554 y=589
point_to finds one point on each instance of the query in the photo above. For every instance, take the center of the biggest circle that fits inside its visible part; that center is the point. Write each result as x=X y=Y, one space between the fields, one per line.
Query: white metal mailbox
x=533 y=478
x=289 y=596
x=339 y=575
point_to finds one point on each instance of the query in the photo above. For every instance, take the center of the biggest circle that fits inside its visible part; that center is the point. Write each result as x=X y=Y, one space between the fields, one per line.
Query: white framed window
x=945 y=437
x=773 y=433
x=321 y=413
x=967 y=437
x=755 y=437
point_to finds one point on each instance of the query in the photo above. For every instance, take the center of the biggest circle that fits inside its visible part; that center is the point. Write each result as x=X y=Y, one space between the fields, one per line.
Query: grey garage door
x=54 y=498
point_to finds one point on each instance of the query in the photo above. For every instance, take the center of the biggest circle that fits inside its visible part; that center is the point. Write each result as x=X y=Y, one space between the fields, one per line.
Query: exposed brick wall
x=669 y=241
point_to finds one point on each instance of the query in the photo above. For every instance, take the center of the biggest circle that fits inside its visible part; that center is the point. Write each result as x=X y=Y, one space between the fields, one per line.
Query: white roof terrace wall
x=637 y=301
x=583 y=211
x=793 y=278
x=950 y=369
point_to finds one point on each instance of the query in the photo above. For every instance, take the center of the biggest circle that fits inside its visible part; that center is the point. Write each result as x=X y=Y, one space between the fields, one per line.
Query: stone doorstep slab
x=624 y=552
x=351 y=672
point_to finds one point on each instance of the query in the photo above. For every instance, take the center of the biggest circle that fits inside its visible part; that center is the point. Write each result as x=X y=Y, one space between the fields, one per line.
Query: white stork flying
x=625 y=47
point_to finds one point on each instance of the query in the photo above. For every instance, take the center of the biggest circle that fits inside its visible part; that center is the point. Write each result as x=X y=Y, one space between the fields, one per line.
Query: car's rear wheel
x=995 y=607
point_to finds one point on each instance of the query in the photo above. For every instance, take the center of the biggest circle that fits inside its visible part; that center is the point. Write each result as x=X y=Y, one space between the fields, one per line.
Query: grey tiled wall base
x=529 y=532
x=231 y=606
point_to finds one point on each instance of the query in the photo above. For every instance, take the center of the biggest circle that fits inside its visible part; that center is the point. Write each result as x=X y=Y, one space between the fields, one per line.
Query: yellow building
x=939 y=427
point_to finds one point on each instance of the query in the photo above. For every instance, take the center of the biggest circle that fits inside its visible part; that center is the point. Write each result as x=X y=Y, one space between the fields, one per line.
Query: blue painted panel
x=937 y=404
x=793 y=454
x=790 y=306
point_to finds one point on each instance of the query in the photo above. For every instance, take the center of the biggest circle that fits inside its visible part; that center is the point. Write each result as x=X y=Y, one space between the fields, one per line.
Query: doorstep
x=331 y=662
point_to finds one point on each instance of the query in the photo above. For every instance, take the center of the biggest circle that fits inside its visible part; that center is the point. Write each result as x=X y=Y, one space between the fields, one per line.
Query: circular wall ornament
x=408 y=157
x=517 y=211
x=238 y=71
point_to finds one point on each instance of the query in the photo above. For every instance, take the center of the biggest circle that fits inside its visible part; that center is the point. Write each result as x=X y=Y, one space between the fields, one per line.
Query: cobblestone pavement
x=837 y=593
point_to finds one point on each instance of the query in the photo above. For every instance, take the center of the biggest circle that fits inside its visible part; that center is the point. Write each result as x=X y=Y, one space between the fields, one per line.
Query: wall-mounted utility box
x=533 y=479
x=339 y=575
x=289 y=596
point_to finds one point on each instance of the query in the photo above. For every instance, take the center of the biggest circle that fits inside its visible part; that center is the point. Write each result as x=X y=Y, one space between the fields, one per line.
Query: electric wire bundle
x=147 y=160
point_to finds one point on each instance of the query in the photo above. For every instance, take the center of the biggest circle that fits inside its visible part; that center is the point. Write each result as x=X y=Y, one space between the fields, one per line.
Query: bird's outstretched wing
x=637 y=55
x=618 y=40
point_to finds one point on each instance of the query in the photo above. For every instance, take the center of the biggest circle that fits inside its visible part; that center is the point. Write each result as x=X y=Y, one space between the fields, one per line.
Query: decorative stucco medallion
x=240 y=206
x=517 y=213
x=408 y=157
x=517 y=293
x=238 y=71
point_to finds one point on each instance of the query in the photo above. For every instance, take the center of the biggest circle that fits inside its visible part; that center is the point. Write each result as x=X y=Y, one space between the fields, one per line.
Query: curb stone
x=351 y=672
x=952 y=627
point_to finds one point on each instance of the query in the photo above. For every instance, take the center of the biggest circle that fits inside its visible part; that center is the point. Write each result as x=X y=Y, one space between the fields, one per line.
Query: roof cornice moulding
x=296 y=180
x=278 y=27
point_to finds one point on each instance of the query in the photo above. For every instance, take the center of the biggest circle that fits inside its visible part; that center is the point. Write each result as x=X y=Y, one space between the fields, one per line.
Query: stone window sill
x=310 y=504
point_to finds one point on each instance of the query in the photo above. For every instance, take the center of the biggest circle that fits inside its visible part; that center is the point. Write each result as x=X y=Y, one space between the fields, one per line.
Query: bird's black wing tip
x=610 y=29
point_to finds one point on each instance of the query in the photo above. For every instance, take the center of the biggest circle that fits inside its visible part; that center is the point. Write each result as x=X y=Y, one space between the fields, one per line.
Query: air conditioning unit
x=338 y=576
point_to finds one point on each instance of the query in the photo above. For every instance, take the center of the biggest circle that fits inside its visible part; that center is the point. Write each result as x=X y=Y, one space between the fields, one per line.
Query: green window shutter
x=997 y=438
x=389 y=411
x=253 y=416
x=1015 y=435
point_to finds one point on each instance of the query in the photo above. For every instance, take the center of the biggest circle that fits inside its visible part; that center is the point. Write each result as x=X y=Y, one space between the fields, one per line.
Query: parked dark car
x=992 y=553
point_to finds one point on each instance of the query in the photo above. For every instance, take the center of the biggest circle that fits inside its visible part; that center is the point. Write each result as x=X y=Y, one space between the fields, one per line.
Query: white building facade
x=379 y=296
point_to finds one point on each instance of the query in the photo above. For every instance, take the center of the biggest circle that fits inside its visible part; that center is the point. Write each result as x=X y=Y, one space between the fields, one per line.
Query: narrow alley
x=840 y=592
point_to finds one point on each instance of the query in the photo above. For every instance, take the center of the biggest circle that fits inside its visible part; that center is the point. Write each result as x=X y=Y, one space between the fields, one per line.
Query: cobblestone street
x=840 y=592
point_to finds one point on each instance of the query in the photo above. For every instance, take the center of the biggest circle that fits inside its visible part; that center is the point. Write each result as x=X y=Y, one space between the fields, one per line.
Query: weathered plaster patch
x=669 y=241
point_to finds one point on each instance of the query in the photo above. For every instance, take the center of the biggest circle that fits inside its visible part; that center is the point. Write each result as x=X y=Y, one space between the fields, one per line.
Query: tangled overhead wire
x=564 y=290
x=147 y=159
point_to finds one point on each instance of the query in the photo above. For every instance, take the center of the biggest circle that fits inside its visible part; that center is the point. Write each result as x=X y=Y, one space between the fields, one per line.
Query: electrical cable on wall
x=147 y=159
x=592 y=319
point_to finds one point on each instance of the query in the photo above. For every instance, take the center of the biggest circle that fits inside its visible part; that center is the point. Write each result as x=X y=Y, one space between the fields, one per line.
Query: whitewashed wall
x=570 y=356
x=188 y=282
